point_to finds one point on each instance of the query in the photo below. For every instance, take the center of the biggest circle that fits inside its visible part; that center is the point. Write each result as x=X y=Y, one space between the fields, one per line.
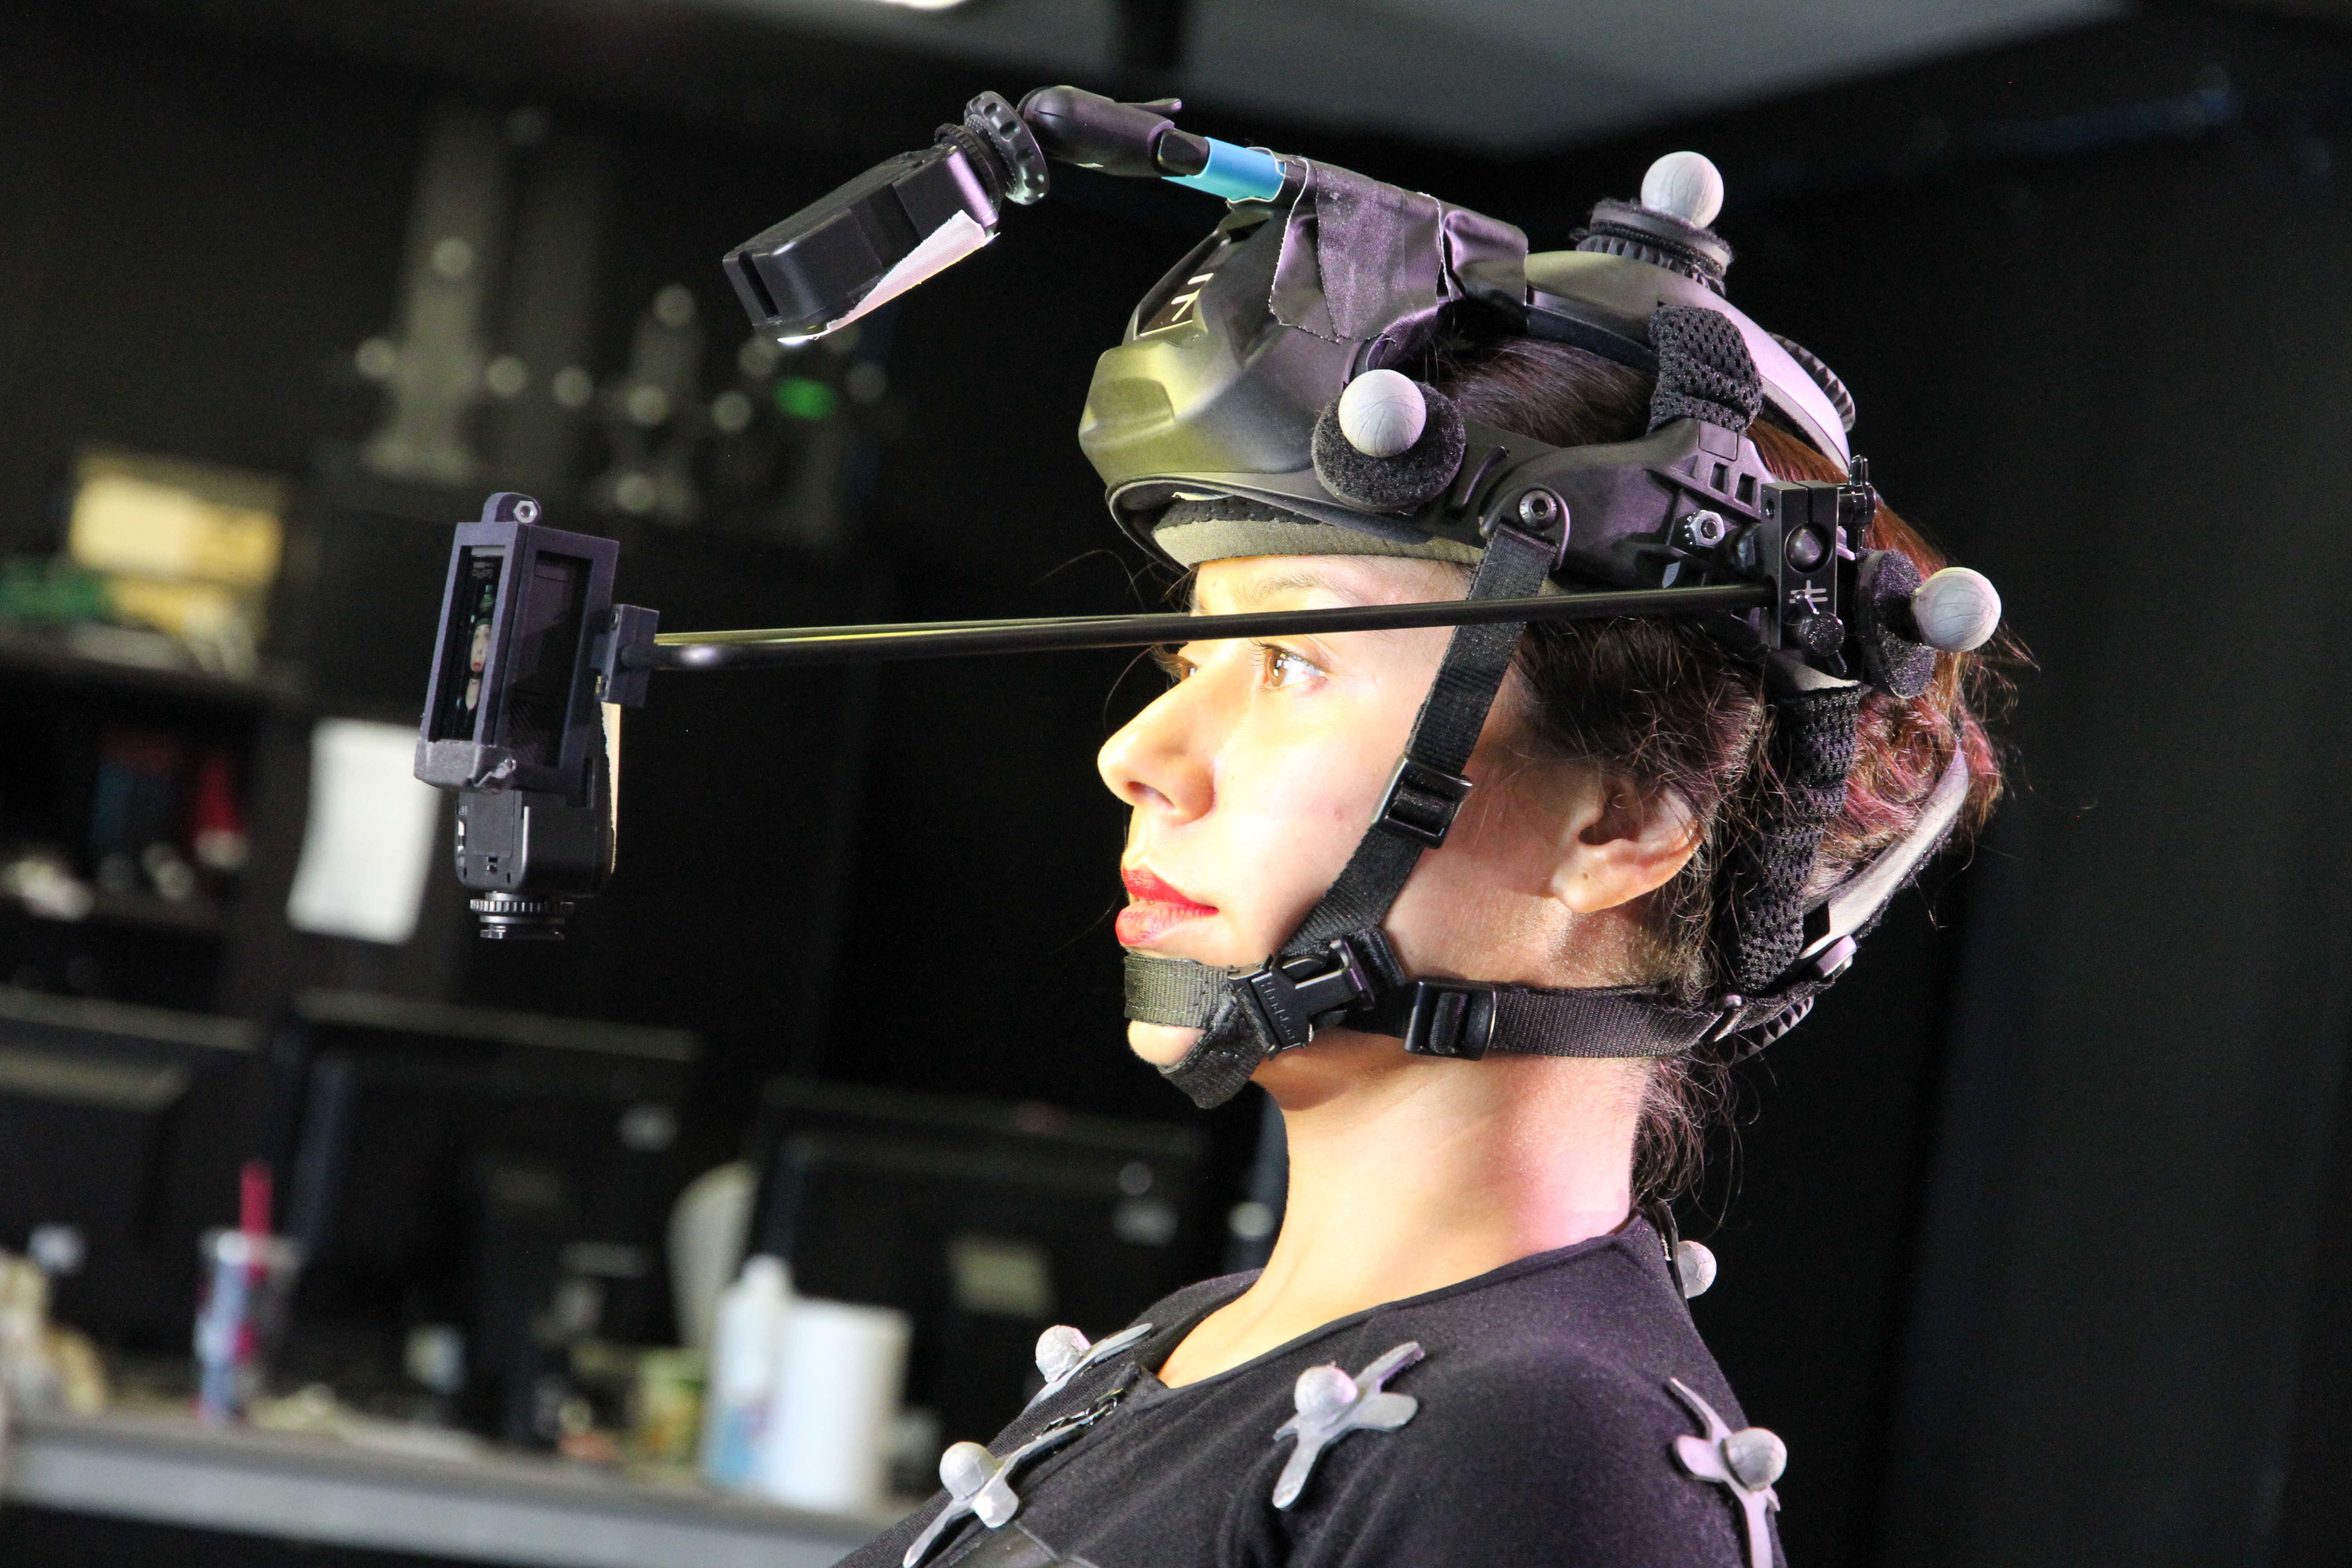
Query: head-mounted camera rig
x=1254 y=407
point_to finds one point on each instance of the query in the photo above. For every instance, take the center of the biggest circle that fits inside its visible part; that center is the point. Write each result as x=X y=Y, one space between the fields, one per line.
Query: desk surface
x=498 y=1507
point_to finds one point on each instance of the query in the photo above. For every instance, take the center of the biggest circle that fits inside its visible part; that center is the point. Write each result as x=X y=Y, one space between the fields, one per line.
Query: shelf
x=143 y=911
x=52 y=655
x=497 y=1508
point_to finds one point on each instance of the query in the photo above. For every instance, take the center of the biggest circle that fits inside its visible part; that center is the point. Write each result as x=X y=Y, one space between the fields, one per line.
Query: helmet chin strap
x=1780 y=946
x=1338 y=965
x=1339 y=970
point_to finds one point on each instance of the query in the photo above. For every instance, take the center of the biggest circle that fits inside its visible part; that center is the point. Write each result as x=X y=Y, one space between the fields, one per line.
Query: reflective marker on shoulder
x=1695 y=1263
x=1957 y=610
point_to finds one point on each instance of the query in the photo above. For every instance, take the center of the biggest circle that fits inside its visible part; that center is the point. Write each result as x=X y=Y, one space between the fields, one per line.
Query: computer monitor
x=127 y=1125
x=987 y=1222
x=506 y=1175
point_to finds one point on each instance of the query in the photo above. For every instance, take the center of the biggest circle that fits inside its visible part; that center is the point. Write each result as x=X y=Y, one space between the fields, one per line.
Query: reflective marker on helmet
x=1683 y=185
x=1236 y=174
x=1382 y=413
x=1957 y=610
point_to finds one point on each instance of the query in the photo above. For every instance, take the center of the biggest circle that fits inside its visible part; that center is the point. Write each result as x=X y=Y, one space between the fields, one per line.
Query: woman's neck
x=1408 y=1174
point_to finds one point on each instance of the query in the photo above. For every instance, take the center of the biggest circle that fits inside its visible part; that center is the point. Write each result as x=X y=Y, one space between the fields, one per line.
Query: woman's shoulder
x=1584 y=1346
x=1600 y=1309
x=1545 y=1426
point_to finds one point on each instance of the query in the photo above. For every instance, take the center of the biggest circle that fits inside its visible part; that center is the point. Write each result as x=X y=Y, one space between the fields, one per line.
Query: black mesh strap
x=1810 y=753
x=1705 y=371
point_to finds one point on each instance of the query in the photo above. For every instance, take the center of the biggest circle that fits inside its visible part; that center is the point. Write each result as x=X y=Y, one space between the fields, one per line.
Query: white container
x=836 y=1403
x=706 y=1228
x=747 y=1340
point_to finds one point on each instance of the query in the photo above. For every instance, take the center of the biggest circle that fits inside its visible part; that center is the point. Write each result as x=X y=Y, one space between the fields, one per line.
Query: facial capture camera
x=515 y=716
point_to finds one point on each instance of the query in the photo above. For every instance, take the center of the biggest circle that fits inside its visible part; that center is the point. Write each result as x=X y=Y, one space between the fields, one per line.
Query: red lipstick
x=1156 y=909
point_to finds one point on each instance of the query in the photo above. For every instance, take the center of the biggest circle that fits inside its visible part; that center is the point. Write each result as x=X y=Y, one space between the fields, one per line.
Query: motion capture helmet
x=1252 y=409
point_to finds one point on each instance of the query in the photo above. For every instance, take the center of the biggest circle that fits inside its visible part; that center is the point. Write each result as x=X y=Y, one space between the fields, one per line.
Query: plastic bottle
x=746 y=1342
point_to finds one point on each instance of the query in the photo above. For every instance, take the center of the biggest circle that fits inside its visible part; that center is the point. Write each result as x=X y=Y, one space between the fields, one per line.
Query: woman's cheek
x=1292 y=833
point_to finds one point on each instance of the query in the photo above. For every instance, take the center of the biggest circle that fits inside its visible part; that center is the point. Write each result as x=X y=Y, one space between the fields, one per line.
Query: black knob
x=1821 y=635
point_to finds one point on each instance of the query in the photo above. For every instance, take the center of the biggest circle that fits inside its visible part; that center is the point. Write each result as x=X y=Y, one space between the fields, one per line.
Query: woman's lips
x=1156 y=909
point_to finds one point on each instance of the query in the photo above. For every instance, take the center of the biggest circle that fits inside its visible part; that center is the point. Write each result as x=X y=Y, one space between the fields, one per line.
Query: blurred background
x=2036 y=1240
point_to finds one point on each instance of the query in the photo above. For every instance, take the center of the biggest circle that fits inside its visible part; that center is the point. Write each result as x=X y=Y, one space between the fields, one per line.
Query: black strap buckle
x=1421 y=801
x=1291 y=995
x=1451 y=1018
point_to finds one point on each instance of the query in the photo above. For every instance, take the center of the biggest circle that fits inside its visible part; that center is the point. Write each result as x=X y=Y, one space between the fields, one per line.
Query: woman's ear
x=1618 y=842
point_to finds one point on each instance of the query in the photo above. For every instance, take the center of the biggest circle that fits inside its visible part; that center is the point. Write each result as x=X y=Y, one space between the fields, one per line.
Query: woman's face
x=1252 y=778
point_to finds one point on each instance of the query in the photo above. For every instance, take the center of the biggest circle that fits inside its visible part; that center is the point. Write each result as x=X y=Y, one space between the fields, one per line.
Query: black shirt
x=1545 y=1433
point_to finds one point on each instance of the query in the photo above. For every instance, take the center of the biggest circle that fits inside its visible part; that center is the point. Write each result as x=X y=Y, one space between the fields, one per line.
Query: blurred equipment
x=369 y=842
x=122 y=1130
x=834 y=1413
x=44 y=1365
x=746 y=1347
x=665 y=1415
x=656 y=417
x=432 y=371
x=802 y=1395
x=248 y=1279
x=986 y=1222
x=507 y=209
x=505 y=1174
x=707 y=1229
x=135 y=864
x=187 y=549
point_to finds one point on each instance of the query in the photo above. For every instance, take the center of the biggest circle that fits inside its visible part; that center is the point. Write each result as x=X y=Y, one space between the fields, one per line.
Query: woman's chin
x=1161 y=1045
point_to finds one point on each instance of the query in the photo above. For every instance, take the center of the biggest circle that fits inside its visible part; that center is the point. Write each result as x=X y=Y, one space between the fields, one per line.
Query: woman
x=1468 y=1345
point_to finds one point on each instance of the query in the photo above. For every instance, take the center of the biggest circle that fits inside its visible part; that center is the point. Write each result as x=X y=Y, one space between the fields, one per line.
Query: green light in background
x=800 y=398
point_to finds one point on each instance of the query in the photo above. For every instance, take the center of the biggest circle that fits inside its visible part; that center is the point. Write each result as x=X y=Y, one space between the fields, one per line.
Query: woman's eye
x=1283 y=668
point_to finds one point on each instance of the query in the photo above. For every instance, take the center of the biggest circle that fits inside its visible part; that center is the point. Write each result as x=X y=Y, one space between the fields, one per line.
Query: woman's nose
x=1158 y=761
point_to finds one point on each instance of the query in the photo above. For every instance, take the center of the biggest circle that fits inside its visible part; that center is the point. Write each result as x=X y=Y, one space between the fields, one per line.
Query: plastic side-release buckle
x=1421 y=801
x=1451 y=1018
x=1290 y=994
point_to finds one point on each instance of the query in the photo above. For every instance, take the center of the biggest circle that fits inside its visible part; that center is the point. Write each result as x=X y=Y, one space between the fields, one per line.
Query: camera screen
x=462 y=661
x=544 y=651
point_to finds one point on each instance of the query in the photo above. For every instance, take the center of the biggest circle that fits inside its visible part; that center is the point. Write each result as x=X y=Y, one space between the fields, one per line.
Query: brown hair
x=1673 y=709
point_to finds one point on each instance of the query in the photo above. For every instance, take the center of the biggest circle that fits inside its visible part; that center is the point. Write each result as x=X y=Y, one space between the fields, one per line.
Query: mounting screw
x=1704 y=530
x=1541 y=513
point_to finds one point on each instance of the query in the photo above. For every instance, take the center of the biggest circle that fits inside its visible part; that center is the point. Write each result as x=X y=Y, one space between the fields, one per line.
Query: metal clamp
x=1452 y=1019
x=633 y=626
x=1290 y=994
x=1421 y=801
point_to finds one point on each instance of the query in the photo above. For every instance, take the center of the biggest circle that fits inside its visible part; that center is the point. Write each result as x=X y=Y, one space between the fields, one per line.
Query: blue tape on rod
x=1236 y=174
